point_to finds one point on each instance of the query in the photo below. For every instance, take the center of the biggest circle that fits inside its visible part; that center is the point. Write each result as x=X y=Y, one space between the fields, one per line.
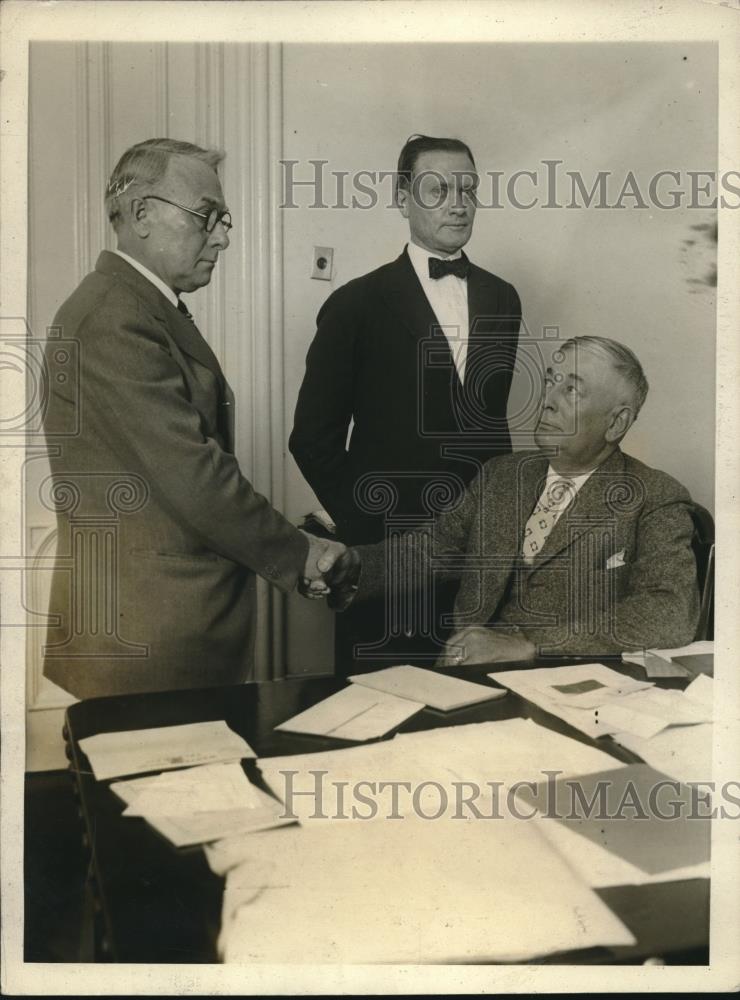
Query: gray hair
x=624 y=362
x=145 y=164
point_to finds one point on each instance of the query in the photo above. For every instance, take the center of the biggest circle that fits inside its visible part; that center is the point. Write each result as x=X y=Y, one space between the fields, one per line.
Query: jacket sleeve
x=324 y=409
x=135 y=396
x=406 y=562
x=660 y=606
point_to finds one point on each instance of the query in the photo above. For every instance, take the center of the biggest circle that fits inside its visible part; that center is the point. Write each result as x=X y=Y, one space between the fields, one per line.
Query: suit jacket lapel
x=589 y=507
x=186 y=334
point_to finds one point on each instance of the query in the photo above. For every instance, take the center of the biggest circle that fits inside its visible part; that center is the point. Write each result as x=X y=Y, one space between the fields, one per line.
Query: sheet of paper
x=646 y=713
x=354 y=713
x=656 y=666
x=701 y=690
x=703 y=647
x=639 y=816
x=557 y=690
x=697 y=663
x=134 y=751
x=208 y=788
x=459 y=892
x=439 y=691
x=681 y=752
x=203 y=827
x=481 y=758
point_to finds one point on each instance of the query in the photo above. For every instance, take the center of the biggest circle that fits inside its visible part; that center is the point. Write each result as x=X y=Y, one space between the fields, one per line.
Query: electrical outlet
x=322 y=265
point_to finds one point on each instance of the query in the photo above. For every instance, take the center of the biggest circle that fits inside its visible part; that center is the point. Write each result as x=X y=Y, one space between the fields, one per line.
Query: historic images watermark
x=553 y=797
x=547 y=185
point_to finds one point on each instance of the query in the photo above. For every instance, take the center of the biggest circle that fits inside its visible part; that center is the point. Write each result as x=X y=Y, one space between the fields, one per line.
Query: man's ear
x=138 y=217
x=621 y=421
x=402 y=200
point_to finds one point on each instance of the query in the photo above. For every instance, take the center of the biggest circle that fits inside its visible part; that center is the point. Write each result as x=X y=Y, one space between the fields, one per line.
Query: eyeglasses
x=212 y=218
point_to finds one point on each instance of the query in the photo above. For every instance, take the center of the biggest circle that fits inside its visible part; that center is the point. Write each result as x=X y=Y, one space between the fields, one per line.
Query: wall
x=626 y=273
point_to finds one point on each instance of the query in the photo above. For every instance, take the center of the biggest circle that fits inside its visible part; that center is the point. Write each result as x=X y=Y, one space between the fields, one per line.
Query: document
x=233 y=805
x=697 y=657
x=354 y=713
x=478 y=761
x=438 y=691
x=681 y=752
x=626 y=826
x=646 y=713
x=572 y=693
x=134 y=751
x=454 y=892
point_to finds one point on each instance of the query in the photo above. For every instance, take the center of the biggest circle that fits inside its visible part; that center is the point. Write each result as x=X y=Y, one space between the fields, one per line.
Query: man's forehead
x=445 y=163
x=580 y=360
x=191 y=178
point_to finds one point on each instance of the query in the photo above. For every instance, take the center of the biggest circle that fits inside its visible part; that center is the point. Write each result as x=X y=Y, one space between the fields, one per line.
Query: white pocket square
x=616 y=560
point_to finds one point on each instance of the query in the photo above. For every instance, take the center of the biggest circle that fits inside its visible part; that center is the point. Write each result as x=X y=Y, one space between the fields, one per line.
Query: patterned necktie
x=181 y=307
x=438 y=268
x=557 y=496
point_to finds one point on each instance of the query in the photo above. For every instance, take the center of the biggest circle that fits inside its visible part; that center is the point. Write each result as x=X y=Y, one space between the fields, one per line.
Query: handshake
x=332 y=570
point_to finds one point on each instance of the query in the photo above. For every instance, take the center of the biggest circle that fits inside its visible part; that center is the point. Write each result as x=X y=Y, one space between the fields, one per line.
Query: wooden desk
x=157 y=903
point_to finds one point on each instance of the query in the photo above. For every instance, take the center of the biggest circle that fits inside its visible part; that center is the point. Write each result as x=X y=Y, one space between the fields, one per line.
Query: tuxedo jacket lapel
x=403 y=293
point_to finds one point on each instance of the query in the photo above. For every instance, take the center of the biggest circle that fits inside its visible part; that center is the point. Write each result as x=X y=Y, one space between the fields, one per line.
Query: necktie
x=557 y=496
x=181 y=307
x=438 y=268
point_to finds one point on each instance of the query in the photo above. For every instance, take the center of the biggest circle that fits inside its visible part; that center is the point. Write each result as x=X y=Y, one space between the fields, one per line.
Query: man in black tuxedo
x=419 y=355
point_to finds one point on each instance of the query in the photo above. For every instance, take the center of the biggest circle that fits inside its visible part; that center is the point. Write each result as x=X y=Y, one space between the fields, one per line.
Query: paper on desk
x=646 y=713
x=701 y=691
x=439 y=691
x=459 y=892
x=506 y=751
x=208 y=788
x=629 y=825
x=681 y=752
x=704 y=647
x=200 y=827
x=137 y=750
x=557 y=690
x=354 y=713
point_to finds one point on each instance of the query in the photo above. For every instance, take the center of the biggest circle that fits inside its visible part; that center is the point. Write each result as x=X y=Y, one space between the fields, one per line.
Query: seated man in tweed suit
x=574 y=549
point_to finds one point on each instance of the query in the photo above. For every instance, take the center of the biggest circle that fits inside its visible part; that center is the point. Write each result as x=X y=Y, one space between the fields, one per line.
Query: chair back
x=703 y=546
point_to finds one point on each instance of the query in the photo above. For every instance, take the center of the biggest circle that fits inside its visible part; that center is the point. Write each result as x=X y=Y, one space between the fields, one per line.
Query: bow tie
x=438 y=268
x=183 y=309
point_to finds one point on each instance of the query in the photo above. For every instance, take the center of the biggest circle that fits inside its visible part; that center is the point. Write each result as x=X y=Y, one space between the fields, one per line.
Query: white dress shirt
x=448 y=298
x=157 y=282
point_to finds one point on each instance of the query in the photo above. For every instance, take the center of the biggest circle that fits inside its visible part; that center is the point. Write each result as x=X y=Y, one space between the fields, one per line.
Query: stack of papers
x=589 y=820
x=575 y=694
x=200 y=804
x=680 y=661
x=140 y=750
x=459 y=892
x=438 y=691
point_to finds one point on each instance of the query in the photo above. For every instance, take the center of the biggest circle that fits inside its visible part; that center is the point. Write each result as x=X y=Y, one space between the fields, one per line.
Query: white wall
x=618 y=273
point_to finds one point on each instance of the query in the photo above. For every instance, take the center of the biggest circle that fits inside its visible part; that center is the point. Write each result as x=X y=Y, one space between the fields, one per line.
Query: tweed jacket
x=160 y=537
x=616 y=573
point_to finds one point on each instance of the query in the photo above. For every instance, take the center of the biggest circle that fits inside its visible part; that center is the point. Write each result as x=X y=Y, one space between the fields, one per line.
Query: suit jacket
x=160 y=537
x=377 y=360
x=616 y=573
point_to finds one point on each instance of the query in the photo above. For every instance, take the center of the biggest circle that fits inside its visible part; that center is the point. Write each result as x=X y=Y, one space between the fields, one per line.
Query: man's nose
x=219 y=237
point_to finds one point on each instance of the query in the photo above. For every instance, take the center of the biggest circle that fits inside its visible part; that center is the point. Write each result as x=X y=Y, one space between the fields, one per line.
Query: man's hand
x=343 y=578
x=322 y=554
x=486 y=645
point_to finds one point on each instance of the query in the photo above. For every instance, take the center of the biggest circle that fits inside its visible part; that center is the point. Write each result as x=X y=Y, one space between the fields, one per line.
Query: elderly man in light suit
x=575 y=549
x=160 y=536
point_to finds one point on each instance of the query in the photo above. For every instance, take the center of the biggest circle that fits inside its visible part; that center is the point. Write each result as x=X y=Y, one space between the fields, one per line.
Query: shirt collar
x=157 y=282
x=420 y=256
x=577 y=481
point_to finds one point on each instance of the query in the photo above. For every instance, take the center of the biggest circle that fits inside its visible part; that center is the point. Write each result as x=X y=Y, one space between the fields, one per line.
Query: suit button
x=408 y=632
